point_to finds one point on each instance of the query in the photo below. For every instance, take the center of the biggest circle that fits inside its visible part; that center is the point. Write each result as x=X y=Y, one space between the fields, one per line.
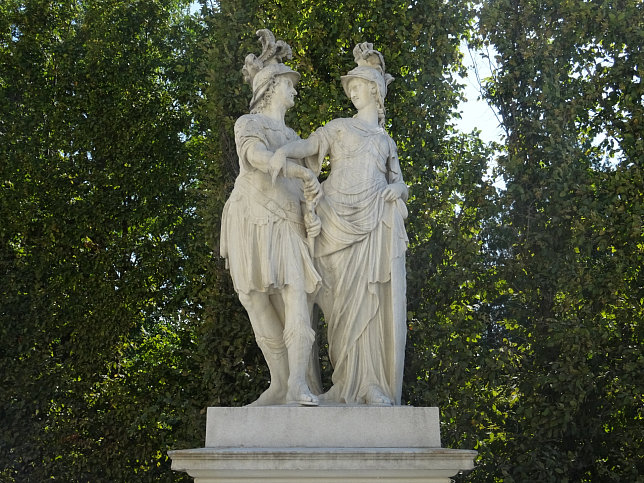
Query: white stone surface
x=360 y=251
x=290 y=242
x=337 y=465
x=323 y=444
x=264 y=230
x=323 y=427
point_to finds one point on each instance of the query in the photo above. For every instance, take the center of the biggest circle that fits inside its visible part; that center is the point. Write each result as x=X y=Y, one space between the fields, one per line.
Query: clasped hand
x=312 y=189
x=278 y=163
x=313 y=224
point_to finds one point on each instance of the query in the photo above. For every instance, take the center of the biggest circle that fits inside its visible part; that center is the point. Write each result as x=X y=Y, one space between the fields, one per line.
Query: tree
x=116 y=156
x=96 y=209
x=567 y=87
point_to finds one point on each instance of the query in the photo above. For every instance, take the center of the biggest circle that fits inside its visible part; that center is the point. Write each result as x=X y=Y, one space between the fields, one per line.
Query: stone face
x=323 y=427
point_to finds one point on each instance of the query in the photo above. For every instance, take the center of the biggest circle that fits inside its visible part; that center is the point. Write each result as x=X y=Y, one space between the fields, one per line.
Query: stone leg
x=268 y=329
x=298 y=338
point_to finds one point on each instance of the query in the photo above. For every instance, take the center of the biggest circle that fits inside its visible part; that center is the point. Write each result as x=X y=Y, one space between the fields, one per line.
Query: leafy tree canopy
x=525 y=304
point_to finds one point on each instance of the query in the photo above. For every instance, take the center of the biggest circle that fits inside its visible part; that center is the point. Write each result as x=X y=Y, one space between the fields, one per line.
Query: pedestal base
x=322 y=465
x=324 y=444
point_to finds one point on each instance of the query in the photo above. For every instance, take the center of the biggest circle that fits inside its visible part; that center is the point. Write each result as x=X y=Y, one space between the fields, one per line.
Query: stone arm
x=279 y=163
x=397 y=187
x=259 y=158
x=298 y=150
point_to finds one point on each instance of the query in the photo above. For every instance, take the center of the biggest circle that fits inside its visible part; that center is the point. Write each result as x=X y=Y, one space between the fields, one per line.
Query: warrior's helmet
x=260 y=72
x=371 y=67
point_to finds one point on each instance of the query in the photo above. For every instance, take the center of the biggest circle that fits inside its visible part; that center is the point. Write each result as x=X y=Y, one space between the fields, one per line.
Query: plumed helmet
x=260 y=71
x=371 y=67
x=262 y=80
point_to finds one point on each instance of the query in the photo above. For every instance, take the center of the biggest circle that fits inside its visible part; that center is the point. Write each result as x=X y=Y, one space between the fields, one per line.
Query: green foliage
x=568 y=86
x=95 y=206
x=117 y=155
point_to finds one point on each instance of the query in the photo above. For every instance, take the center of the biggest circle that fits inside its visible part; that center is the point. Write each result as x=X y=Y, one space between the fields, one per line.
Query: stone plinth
x=323 y=427
x=322 y=444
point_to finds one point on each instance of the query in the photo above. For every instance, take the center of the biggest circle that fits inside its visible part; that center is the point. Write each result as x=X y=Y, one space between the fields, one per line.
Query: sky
x=476 y=113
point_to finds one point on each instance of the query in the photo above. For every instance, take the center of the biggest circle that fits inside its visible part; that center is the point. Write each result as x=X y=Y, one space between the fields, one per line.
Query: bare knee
x=295 y=297
x=254 y=301
x=262 y=315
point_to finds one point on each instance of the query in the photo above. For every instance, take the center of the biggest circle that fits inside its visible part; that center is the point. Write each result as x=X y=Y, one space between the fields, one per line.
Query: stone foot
x=299 y=393
x=273 y=396
x=375 y=397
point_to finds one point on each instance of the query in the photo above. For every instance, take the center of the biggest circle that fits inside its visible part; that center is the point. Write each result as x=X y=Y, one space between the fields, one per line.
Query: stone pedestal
x=322 y=444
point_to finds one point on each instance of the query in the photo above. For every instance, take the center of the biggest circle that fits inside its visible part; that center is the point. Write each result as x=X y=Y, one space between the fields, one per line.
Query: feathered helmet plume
x=371 y=67
x=259 y=71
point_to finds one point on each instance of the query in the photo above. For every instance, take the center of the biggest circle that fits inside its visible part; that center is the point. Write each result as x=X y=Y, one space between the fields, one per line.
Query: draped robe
x=360 y=254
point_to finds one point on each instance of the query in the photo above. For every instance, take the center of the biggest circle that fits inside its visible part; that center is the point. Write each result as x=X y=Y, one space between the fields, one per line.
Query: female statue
x=263 y=234
x=360 y=251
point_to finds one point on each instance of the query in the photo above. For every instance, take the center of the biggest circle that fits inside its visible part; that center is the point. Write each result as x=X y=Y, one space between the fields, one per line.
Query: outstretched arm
x=297 y=149
x=259 y=157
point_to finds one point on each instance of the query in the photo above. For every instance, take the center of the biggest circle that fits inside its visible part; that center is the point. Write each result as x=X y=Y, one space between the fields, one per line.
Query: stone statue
x=360 y=251
x=263 y=229
x=291 y=242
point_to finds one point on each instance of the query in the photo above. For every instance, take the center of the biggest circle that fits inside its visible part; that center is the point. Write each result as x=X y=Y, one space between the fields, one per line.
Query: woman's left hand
x=392 y=192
